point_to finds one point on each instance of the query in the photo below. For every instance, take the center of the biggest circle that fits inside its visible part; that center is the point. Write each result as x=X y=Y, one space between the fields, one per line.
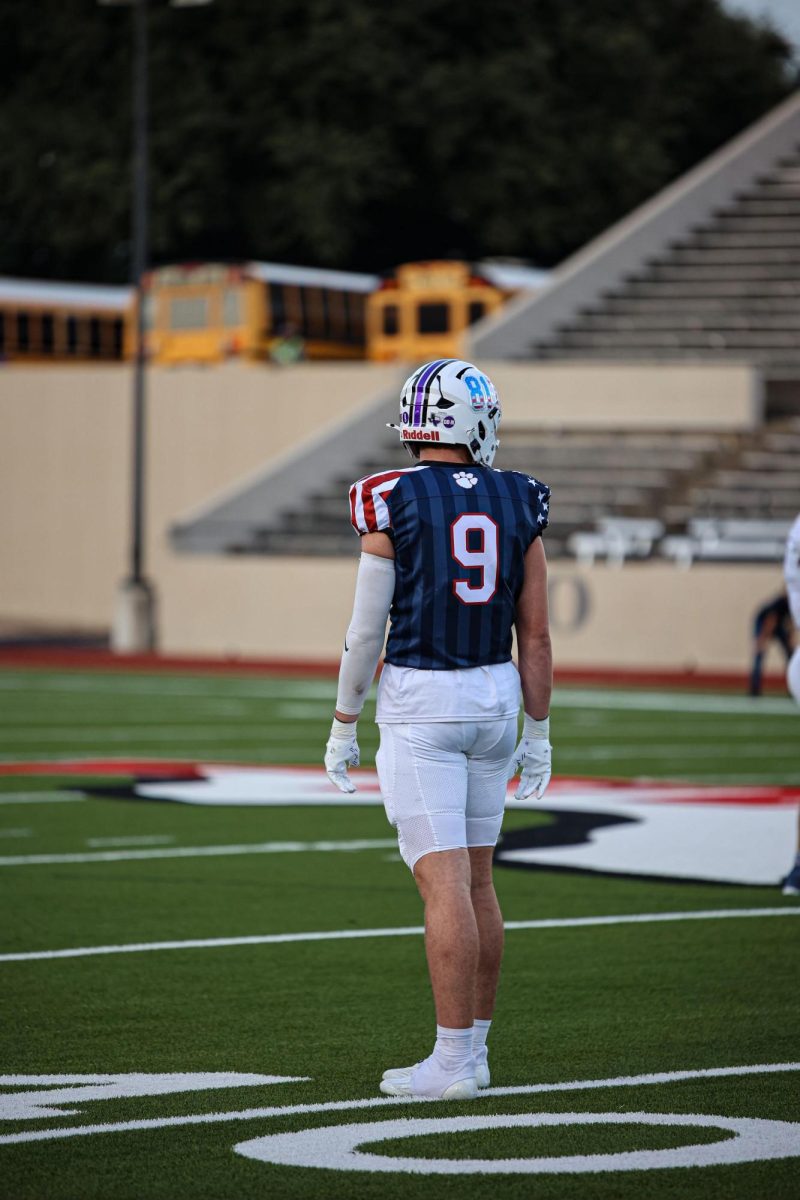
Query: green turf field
x=598 y=1007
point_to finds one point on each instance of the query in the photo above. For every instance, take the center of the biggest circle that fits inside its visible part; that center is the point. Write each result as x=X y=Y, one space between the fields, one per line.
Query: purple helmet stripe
x=419 y=393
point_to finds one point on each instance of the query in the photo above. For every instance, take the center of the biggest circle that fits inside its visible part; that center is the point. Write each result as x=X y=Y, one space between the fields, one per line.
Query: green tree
x=358 y=135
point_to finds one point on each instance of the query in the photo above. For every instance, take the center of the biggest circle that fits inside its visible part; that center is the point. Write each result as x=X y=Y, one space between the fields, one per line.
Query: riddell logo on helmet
x=420 y=435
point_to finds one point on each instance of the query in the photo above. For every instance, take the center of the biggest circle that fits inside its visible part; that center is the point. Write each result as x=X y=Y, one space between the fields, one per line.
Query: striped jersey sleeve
x=369 y=508
x=542 y=506
x=538 y=495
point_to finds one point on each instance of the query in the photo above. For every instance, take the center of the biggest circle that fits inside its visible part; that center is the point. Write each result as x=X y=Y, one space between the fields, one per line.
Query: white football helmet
x=451 y=402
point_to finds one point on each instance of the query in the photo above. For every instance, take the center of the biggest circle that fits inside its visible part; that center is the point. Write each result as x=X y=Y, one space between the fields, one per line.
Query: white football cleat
x=482 y=1076
x=462 y=1089
x=428 y=1081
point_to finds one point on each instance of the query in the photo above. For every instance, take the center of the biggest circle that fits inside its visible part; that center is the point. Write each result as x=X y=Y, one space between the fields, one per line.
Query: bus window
x=433 y=318
x=117 y=337
x=336 y=315
x=302 y=305
x=188 y=312
x=94 y=337
x=23 y=331
x=391 y=320
x=277 y=304
x=314 y=312
x=47 y=333
x=476 y=310
x=326 y=313
x=72 y=335
x=231 y=307
x=357 y=311
x=2 y=333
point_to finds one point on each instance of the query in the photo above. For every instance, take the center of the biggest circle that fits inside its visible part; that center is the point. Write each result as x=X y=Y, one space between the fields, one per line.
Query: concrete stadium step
x=548 y=462
x=768 y=360
x=760 y=205
x=713 y=256
x=751 y=504
x=771 y=480
x=777 y=224
x=685 y=288
x=779 y=460
x=692 y=321
x=624 y=305
x=753 y=236
x=743 y=340
x=675 y=272
x=757 y=240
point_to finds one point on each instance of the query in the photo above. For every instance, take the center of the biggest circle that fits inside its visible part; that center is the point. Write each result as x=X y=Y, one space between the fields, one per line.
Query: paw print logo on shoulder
x=465 y=479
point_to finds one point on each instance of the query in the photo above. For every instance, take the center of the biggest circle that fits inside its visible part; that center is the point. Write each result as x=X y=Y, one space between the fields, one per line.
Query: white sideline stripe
x=336 y=935
x=38 y=860
x=40 y=797
x=289 y=1110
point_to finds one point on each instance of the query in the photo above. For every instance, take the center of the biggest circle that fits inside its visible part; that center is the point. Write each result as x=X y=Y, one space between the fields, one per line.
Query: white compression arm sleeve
x=366 y=632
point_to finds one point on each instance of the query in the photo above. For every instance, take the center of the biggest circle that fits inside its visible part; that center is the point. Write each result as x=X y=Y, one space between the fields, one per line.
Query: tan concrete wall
x=64 y=498
x=65 y=466
x=628 y=395
x=649 y=614
x=64 y=487
x=657 y=615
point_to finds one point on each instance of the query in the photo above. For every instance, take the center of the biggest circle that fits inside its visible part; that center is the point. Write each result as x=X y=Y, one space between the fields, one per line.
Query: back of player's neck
x=444 y=456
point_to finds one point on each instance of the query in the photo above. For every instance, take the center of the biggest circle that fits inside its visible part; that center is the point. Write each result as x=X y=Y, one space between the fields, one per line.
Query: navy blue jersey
x=460 y=535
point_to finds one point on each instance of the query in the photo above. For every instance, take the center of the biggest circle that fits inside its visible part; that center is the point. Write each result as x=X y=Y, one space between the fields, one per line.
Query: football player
x=451 y=552
x=772 y=622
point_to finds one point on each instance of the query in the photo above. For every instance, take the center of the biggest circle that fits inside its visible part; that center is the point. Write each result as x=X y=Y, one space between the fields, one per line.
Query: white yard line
x=334 y=935
x=290 y=1110
x=677 y=702
x=227 y=687
x=143 y=839
x=38 y=860
x=150 y=732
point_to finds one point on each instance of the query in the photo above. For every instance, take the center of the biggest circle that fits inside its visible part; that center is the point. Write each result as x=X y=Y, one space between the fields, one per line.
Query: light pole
x=134 y=625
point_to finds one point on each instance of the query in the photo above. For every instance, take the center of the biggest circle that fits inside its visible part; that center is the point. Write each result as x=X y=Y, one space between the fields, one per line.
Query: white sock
x=480 y=1032
x=453 y=1049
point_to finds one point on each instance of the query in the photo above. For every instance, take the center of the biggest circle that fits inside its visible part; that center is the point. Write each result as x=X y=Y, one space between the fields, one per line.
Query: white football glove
x=531 y=759
x=342 y=752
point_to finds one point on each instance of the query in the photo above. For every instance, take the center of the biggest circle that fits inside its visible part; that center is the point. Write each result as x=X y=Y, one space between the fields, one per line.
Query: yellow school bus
x=260 y=311
x=208 y=312
x=64 y=322
x=424 y=309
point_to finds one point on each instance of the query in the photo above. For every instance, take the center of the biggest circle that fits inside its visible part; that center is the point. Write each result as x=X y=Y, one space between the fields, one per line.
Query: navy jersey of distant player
x=460 y=535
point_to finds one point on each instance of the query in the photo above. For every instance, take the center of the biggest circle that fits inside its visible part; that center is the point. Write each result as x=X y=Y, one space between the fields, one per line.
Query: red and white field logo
x=730 y=834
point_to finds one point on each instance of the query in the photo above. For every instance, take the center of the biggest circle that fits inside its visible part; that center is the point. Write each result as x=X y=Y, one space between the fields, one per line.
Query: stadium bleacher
x=709 y=270
x=617 y=496
x=731 y=286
